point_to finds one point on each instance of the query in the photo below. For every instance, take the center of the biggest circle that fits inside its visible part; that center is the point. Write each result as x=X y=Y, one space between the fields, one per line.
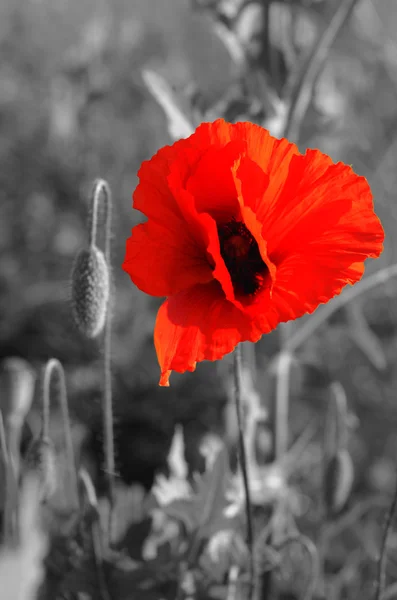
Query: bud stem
x=102 y=190
x=10 y=489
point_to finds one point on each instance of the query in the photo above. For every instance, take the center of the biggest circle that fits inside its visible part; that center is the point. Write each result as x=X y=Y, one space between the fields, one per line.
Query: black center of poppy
x=241 y=254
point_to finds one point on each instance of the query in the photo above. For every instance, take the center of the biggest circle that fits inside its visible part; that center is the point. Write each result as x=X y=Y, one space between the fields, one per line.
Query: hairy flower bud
x=90 y=291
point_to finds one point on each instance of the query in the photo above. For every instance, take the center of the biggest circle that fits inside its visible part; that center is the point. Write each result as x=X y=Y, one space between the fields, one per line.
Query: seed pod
x=41 y=458
x=338 y=482
x=90 y=291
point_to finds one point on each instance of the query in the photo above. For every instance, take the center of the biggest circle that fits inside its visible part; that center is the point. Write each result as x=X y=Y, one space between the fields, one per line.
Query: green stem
x=237 y=372
x=9 y=489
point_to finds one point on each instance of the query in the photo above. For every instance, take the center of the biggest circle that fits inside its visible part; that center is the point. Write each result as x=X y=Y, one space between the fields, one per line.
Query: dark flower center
x=241 y=254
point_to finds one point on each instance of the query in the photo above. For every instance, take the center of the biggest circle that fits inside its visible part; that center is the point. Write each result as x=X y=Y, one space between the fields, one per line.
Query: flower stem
x=237 y=372
x=381 y=579
x=280 y=448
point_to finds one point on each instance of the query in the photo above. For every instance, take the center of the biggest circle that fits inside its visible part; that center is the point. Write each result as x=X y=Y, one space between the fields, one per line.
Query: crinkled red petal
x=199 y=324
x=212 y=183
x=162 y=262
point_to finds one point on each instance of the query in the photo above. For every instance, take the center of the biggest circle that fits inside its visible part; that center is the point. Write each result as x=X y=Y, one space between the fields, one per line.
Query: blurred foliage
x=74 y=106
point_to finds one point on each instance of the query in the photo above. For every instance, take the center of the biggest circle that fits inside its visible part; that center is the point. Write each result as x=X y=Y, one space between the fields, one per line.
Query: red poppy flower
x=243 y=232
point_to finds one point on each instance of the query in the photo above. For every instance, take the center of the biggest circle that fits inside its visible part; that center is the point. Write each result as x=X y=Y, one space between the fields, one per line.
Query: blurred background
x=74 y=106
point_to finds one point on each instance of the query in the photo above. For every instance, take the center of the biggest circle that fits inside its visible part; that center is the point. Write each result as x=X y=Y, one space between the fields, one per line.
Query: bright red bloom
x=243 y=232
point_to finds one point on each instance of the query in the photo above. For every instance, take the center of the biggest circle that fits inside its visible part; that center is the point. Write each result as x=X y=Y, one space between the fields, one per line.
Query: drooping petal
x=199 y=324
x=162 y=262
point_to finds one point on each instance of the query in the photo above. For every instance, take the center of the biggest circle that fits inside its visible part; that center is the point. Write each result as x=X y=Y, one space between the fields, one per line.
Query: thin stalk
x=52 y=367
x=302 y=94
x=102 y=191
x=322 y=314
x=9 y=490
x=237 y=372
x=381 y=578
x=3 y=440
x=280 y=449
x=11 y=503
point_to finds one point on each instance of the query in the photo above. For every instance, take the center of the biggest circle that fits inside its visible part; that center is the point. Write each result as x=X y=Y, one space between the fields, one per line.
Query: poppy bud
x=339 y=477
x=16 y=390
x=90 y=291
x=41 y=458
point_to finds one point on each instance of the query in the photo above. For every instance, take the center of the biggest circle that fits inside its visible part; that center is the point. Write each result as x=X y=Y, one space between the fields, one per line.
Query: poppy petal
x=250 y=183
x=324 y=203
x=203 y=228
x=199 y=324
x=212 y=183
x=273 y=156
x=302 y=284
x=153 y=196
x=153 y=248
